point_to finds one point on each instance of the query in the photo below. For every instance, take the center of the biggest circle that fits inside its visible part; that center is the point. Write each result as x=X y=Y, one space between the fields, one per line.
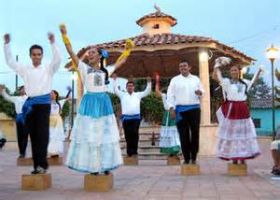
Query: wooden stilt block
x=24 y=161
x=190 y=169
x=98 y=183
x=132 y=160
x=36 y=182
x=55 y=160
x=173 y=160
x=237 y=169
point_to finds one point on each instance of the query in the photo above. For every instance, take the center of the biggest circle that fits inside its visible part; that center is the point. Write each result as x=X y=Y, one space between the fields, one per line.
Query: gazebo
x=157 y=49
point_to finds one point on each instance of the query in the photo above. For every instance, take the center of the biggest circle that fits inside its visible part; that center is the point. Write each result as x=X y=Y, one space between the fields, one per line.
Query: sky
x=249 y=26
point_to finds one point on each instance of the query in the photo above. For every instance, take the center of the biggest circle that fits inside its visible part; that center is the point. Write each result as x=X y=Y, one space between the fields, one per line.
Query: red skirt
x=235 y=110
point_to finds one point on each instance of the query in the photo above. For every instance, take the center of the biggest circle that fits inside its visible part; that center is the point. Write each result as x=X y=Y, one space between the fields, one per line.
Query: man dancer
x=183 y=97
x=130 y=104
x=22 y=133
x=36 y=110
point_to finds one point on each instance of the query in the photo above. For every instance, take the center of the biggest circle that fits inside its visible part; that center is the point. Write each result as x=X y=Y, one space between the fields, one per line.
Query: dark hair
x=102 y=68
x=129 y=82
x=184 y=61
x=57 y=99
x=35 y=46
x=20 y=87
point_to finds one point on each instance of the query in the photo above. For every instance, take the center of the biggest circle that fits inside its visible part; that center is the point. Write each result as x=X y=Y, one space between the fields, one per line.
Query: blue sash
x=129 y=117
x=27 y=106
x=181 y=108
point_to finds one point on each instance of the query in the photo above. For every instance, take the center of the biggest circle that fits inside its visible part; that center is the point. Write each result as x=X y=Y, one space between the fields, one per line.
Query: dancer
x=22 y=132
x=236 y=133
x=183 y=98
x=131 y=116
x=57 y=135
x=169 y=142
x=94 y=146
x=36 y=109
x=275 y=153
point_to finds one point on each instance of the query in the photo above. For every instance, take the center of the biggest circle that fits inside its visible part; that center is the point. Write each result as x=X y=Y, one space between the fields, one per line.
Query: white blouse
x=55 y=107
x=94 y=80
x=235 y=90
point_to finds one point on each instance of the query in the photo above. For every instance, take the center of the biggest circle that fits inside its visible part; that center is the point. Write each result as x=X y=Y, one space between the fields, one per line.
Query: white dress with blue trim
x=95 y=138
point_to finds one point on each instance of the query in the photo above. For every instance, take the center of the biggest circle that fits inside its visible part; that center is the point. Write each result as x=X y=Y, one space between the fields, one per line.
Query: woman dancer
x=236 y=133
x=169 y=138
x=94 y=146
x=57 y=135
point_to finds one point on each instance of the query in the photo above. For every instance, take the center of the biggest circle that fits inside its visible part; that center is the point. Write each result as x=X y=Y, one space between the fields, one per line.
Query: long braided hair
x=104 y=54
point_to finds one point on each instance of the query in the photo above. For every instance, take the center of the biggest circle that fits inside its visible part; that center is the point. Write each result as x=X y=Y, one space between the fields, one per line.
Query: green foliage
x=7 y=107
x=116 y=104
x=152 y=108
x=65 y=110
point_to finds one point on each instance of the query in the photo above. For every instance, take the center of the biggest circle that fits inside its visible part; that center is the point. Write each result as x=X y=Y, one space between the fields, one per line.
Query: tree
x=260 y=89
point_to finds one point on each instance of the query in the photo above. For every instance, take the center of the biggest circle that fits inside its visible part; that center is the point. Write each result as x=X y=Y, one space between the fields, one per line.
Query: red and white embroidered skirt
x=237 y=138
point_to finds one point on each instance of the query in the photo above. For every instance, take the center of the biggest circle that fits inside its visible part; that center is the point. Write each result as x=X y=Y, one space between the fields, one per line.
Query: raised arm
x=147 y=90
x=11 y=62
x=56 y=60
x=5 y=95
x=117 y=90
x=217 y=75
x=68 y=45
x=255 y=78
x=123 y=57
x=157 y=86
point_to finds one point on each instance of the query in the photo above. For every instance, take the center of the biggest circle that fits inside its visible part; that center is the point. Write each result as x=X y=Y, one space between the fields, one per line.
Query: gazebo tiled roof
x=159 y=50
x=165 y=39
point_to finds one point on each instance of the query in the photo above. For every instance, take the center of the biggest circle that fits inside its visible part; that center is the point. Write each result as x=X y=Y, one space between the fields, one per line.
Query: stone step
x=141 y=142
x=150 y=156
x=145 y=149
x=147 y=135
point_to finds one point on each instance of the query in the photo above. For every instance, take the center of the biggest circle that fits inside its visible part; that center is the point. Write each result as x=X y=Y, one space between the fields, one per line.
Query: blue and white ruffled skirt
x=95 y=138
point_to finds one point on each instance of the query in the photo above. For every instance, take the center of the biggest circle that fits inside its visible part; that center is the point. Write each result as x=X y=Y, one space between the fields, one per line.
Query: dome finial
x=157 y=8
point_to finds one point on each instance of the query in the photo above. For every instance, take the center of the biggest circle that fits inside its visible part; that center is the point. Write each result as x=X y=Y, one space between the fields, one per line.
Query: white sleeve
x=171 y=95
x=8 y=97
x=110 y=69
x=117 y=91
x=146 y=92
x=83 y=69
x=11 y=62
x=56 y=60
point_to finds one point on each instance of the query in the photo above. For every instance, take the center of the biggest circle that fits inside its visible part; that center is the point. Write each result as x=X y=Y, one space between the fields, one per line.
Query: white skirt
x=57 y=135
x=237 y=139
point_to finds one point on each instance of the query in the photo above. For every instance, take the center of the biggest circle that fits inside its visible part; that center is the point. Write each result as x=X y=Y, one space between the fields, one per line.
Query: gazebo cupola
x=157 y=22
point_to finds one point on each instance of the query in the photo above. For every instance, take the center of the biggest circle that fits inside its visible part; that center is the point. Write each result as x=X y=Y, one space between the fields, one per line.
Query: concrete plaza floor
x=151 y=180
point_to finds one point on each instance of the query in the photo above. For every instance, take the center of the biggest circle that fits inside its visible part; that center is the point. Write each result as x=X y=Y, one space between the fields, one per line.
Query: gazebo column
x=203 y=58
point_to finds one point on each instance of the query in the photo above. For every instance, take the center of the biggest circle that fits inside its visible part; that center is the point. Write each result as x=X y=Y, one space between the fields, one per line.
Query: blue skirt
x=94 y=143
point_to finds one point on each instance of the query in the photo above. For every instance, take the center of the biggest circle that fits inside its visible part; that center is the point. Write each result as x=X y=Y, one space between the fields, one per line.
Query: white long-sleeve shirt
x=130 y=103
x=17 y=100
x=37 y=80
x=181 y=90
